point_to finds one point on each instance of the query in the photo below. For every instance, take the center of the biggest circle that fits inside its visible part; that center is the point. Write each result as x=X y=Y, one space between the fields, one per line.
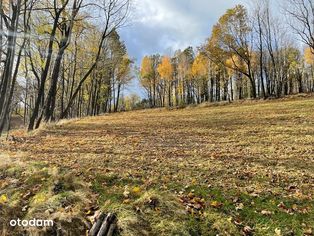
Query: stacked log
x=105 y=225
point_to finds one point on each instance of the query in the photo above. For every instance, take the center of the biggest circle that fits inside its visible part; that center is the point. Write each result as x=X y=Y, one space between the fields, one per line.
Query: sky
x=163 y=26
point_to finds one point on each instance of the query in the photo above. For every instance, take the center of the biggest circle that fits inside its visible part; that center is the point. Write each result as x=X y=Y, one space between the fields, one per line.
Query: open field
x=239 y=169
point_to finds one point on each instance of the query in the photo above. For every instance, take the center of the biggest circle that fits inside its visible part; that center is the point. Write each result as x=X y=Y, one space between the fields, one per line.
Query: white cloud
x=162 y=24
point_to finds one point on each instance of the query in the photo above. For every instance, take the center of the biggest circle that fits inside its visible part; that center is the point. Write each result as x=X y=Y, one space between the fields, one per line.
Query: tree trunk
x=44 y=74
x=118 y=97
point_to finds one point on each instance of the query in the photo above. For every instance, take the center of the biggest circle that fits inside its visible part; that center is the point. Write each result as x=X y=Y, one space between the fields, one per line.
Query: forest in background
x=261 y=52
x=65 y=59
x=61 y=59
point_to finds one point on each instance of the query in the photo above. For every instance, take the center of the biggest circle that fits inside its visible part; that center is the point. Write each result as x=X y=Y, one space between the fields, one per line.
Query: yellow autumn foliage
x=309 y=57
x=200 y=66
x=146 y=67
x=165 y=68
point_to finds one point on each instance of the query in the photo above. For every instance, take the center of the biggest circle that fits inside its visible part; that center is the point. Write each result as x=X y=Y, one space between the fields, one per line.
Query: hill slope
x=229 y=170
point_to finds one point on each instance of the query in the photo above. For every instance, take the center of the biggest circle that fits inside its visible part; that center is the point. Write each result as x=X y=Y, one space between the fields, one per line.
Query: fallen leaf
x=216 y=204
x=126 y=201
x=247 y=230
x=239 y=206
x=266 y=212
x=126 y=194
x=294 y=207
x=308 y=232
x=24 y=208
x=3 y=198
x=278 y=232
x=191 y=195
x=136 y=190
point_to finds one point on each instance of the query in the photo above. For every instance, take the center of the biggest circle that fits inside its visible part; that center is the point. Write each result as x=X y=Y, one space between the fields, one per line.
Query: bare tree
x=58 y=10
x=301 y=17
x=11 y=14
x=65 y=28
x=115 y=15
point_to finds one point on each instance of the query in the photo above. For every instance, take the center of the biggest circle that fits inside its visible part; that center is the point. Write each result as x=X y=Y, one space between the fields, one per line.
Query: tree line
x=249 y=54
x=61 y=59
x=64 y=58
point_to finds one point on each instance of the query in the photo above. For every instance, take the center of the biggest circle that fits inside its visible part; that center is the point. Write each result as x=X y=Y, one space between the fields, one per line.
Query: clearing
x=234 y=169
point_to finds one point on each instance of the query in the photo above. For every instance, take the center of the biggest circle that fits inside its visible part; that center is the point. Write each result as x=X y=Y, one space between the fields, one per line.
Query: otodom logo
x=31 y=223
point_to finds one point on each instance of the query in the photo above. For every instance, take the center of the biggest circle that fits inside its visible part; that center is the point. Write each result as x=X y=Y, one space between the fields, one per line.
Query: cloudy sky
x=163 y=26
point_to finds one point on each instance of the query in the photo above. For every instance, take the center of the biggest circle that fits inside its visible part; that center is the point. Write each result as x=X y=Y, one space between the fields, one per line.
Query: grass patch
x=243 y=168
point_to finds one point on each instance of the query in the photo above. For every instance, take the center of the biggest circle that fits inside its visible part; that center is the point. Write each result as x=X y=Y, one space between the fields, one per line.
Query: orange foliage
x=165 y=68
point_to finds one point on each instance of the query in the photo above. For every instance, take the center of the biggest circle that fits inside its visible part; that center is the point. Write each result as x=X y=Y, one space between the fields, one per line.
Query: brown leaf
x=216 y=204
x=266 y=212
x=247 y=230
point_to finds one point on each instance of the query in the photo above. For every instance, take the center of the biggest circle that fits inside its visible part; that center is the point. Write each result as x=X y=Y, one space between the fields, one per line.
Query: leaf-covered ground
x=239 y=169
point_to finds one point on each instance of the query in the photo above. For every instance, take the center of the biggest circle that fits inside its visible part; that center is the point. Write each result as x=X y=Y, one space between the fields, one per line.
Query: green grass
x=250 y=163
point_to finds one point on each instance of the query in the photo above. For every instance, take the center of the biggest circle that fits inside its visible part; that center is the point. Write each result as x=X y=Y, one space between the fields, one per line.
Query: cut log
x=96 y=227
x=105 y=225
x=112 y=229
x=110 y=219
